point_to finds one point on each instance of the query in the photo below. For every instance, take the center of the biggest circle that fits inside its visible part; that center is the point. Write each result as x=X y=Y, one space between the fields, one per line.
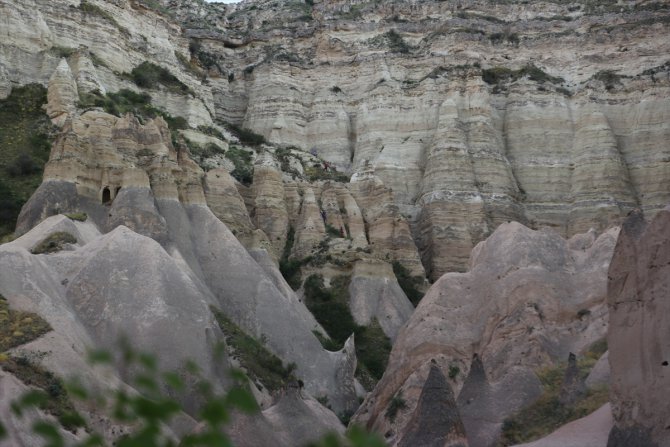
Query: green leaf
x=3 y=431
x=95 y=440
x=361 y=438
x=173 y=380
x=49 y=433
x=99 y=356
x=243 y=400
x=215 y=411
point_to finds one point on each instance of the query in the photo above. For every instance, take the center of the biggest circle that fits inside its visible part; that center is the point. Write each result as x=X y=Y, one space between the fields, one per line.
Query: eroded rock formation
x=639 y=281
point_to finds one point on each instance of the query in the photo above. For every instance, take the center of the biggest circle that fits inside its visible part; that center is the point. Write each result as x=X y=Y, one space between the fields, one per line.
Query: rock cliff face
x=638 y=334
x=462 y=116
x=244 y=147
x=529 y=299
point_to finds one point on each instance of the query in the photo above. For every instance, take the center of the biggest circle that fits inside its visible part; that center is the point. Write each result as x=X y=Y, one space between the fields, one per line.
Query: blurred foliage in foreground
x=150 y=406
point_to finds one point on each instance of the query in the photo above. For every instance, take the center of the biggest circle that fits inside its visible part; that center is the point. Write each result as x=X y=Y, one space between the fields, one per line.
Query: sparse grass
x=26 y=134
x=317 y=172
x=212 y=132
x=127 y=101
x=56 y=402
x=18 y=327
x=260 y=364
x=397 y=403
x=408 y=283
x=95 y=10
x=244 y=169
x=54 y=243
x=548 y=413
x=79 y=217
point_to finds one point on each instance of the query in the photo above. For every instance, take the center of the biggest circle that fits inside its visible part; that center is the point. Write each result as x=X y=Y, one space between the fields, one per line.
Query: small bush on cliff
x=397 y=403
x=149 y=75
x=246 y=136
x=244 y=169
x=127 y=101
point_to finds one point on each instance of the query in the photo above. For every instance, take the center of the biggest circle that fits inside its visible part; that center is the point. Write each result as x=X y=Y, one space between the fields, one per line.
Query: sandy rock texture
x=639 y=281
x=462 y=116
x=488 y=330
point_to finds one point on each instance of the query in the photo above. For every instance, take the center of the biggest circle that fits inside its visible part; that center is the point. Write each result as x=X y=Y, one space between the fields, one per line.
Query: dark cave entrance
x=106 y=195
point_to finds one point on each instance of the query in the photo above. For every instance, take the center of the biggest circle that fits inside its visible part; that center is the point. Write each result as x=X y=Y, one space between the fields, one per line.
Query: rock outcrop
x=436 y=422
x=639 y=351
x=518 y=308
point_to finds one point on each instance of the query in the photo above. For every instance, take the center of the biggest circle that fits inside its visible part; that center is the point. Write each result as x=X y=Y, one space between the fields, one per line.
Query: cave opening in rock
x=106 y=195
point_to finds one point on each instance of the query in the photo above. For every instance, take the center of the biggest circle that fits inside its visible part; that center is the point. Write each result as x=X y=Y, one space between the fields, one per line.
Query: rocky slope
x=637 y=294
x=304 y=167
x=529 y=299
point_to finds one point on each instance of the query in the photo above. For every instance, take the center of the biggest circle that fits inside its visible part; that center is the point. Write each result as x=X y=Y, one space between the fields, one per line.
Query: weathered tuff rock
x=122 y=284
x=639 y=333
x=121 y=172
x=375 y=294
x=436 y=422
x=457 y=155
x=517 y=308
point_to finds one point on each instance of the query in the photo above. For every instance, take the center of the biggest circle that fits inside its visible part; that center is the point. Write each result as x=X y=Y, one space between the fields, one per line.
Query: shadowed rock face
x=573 y=386
x=436 y=422
x=639 y=332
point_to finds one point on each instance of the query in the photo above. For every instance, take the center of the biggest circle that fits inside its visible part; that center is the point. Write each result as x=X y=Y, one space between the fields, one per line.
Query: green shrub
x=609 y=78
x=290 y=268
x=246 y=136
x=408 y=283
x=256 y=359
x=397 y=403
x=212 y=132
x=26 y=134
x=454 y=371
x=53 y=243
x=497 y=75
x=331 y=309
x=23 y=165
x=127 y=101
x=244 y=170
x=373 y=348
x=149 y=75
x=394 y=41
